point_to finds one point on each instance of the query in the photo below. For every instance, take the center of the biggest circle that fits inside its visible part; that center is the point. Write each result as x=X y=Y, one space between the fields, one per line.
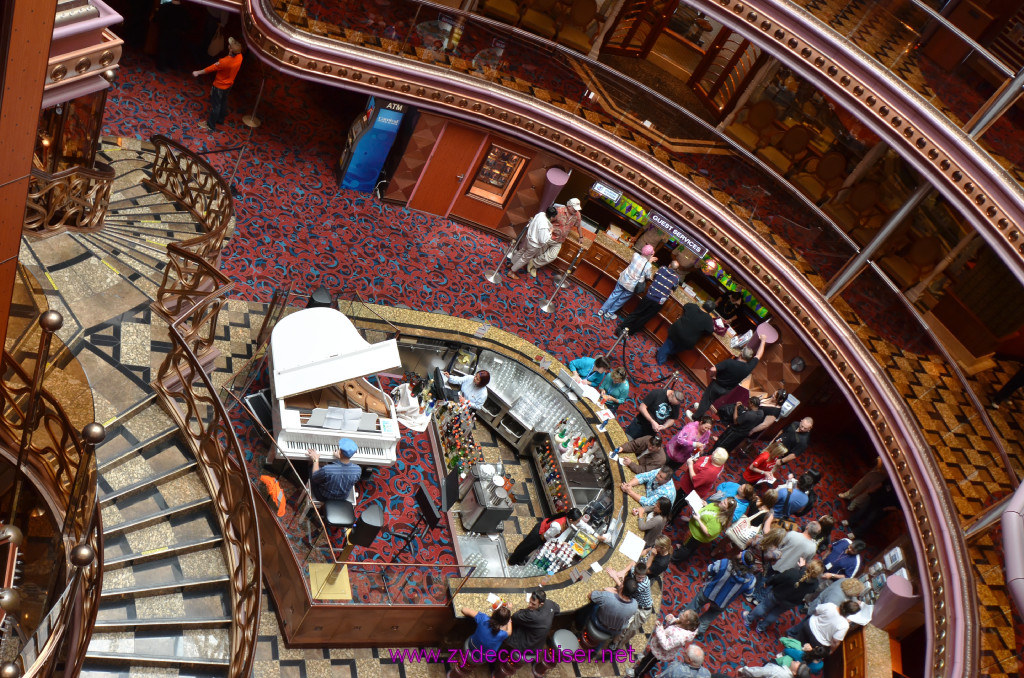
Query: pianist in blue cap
x=336 y=479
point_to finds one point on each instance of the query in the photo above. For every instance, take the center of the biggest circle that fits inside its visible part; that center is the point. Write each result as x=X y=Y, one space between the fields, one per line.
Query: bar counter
x=421 y=326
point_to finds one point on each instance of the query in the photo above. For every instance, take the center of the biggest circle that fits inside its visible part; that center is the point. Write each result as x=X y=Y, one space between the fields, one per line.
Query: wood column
x=26 y=29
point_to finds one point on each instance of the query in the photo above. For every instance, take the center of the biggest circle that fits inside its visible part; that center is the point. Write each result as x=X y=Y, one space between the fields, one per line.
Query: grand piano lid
x=318 y=347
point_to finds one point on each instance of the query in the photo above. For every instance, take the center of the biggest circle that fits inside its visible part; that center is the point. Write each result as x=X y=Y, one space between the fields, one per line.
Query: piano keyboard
x=374 y=456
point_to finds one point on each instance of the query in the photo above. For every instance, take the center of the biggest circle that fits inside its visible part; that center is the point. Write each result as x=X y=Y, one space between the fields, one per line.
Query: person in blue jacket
x=590 y=369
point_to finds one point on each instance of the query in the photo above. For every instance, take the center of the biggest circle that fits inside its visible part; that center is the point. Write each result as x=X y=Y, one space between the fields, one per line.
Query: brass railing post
x=92 y=435
x=49 y=322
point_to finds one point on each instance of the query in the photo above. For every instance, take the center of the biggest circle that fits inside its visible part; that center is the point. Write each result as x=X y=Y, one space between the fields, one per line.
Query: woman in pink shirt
x=692 y=439
x=667 y=641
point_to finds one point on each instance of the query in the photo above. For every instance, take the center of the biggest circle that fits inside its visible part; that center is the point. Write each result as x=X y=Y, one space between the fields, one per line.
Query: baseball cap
x=574 y=203
x=347 y=447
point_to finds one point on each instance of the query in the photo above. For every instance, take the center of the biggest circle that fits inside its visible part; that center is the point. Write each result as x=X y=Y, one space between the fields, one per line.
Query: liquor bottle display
x=455 y=427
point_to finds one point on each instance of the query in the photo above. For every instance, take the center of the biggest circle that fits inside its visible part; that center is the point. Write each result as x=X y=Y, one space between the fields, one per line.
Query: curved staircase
x=166 y=598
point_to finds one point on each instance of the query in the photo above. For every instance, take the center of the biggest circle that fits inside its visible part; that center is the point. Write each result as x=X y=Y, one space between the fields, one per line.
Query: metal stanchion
x=495 y=277
x=549 y=305
x=251 y=120
x=619 y=339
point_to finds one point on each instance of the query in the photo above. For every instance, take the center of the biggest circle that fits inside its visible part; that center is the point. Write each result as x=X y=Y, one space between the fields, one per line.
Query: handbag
x=742 y=532
x=640 y=289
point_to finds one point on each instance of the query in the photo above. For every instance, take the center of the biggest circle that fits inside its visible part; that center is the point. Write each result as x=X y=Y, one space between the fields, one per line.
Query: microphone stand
x=495 y=277
x=549 y=305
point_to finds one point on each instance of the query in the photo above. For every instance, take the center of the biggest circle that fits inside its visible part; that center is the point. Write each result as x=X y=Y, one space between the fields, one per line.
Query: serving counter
x=526 y=403
x=598 y=268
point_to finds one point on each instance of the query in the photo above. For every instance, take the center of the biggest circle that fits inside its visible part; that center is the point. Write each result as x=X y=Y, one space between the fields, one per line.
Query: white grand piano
x=318 y=362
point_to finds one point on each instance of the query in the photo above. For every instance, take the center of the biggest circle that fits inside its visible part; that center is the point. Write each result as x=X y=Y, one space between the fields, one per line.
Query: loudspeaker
x=427 y=507
x=367 y=526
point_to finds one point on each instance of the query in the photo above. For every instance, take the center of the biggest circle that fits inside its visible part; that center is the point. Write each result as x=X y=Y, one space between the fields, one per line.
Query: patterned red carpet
x=295 y=225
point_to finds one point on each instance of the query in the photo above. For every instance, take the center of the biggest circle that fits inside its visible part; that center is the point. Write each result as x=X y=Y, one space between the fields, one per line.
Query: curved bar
x=949 y=597
x=949 y=159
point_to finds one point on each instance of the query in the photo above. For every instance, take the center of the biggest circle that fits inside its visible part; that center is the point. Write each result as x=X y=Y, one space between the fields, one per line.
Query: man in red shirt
x=226 y=70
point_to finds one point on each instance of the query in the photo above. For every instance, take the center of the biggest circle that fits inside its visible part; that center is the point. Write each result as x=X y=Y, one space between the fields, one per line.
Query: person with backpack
x=726 y=581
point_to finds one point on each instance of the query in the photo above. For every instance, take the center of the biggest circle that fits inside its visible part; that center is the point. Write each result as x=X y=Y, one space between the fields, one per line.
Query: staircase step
x=162 y=211
x=136 y=659
x=98 y=670
x=118 y=419
x=169 y=230
x=120 y=446
x=203 y=598
x=130 y=559
x=146 y=483
x=134 y=271
x=161 y=623
x=176 y=566
x=146 y=521
x=159 y=537
x=156 y=250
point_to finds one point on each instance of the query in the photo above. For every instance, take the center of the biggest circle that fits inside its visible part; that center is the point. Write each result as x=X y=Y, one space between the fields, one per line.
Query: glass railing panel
x=639 y=116
x=909 y=354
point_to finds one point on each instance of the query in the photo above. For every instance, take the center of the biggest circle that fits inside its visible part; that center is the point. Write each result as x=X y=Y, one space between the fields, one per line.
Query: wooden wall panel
x=28 y=47
x=417 y=152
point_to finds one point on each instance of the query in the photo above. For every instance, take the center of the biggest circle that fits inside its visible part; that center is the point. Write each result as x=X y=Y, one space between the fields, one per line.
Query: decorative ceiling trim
x=942 y=554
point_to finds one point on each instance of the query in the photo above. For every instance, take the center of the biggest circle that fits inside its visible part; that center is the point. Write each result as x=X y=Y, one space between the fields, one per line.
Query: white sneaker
x=630 y=674
x=689 y=415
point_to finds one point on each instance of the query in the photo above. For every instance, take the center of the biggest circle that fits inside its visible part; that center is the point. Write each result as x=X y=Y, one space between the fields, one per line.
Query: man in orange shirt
x=226 y=70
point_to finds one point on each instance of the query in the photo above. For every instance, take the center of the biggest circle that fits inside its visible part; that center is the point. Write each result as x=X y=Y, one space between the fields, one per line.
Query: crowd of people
x=768 y=552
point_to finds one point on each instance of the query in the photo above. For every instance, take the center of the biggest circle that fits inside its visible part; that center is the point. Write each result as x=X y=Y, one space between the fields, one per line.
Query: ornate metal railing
x=189 y=299
x=189 y=179
x=73 y=200
x=192 y=401
x=60 y=463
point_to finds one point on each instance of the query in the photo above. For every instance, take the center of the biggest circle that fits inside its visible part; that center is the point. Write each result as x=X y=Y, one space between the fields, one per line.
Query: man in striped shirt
x=728 y=579
x=665 y=280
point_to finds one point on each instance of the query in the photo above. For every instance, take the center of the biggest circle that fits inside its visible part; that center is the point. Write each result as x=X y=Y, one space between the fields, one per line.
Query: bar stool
x=320 y=298
x=563 y=640
x=593 y=637
x=456 y=671
x=506 y=669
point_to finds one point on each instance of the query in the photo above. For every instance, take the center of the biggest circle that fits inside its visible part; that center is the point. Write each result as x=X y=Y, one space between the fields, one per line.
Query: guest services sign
x=678 y=233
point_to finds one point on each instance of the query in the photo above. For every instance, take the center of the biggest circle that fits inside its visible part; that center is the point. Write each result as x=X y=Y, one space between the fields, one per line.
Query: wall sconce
x=45 y=139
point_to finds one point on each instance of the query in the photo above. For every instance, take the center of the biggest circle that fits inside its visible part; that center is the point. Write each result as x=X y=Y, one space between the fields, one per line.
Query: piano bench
x=339 y=513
